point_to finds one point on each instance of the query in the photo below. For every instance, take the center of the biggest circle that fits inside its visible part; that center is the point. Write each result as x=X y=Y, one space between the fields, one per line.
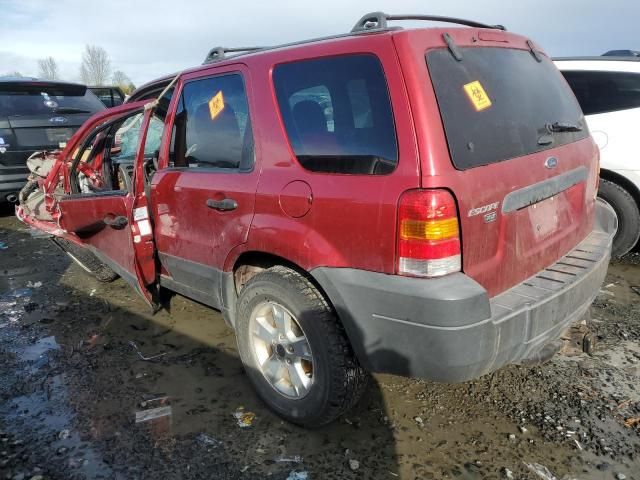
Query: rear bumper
x=12 y=179
x=449 y=330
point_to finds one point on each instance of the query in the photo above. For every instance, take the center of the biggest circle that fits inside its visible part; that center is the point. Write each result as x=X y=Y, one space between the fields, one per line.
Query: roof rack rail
x=621 y=53
x=601 y=58
x=378 y=21
x=220 y=53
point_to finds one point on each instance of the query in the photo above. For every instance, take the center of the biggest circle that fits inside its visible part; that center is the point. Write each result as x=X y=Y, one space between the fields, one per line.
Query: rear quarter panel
x=352 y=218
x=505 y=252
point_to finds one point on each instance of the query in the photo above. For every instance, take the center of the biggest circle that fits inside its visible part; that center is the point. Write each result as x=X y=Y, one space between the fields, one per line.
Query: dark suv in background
x=110 y=96
x=37 y=115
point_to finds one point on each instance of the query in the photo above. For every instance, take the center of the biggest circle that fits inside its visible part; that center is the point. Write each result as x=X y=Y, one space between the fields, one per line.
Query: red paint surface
x=353 y=219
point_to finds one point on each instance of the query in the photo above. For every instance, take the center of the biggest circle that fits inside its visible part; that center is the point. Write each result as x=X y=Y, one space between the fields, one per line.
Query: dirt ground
x=79 y=384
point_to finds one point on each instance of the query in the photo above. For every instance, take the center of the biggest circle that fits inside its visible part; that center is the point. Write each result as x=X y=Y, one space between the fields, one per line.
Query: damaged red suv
x=418 y=202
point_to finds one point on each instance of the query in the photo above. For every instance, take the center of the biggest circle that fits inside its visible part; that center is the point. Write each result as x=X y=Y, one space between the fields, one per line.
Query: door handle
x=118 y=222
x=223 y=205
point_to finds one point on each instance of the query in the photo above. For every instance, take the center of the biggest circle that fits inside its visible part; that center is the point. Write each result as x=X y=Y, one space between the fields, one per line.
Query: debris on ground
x=244 y=419
x=208 y=440
x=540 y=470
x=91 y=342
x=152 y=414
x=31 y=284
x=298 y=475
x=630 y=422
x=288 y=459
x=354 y=464
x=162 y=400
x=636 y=289
x=3 y=246
x=146 y=359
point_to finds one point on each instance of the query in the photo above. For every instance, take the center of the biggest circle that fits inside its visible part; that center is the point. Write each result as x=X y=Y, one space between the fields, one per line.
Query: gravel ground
x=76 y=396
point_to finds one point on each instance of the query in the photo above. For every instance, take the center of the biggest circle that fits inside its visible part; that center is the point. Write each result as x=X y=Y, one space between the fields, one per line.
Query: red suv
x=419 y=202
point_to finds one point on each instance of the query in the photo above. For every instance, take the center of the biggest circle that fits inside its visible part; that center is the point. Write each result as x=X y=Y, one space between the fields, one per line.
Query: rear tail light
x=428 y=234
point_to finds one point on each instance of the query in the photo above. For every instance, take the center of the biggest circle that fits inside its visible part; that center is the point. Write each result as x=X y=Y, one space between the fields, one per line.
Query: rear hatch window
x=37 y=99
x=499 y=103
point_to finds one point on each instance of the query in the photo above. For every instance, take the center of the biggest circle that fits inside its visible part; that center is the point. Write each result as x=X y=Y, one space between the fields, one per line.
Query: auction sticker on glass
x=216 y=104
x=477 y=95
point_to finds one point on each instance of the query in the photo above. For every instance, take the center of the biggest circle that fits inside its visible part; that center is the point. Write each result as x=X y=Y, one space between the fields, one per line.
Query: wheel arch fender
x=288 y=243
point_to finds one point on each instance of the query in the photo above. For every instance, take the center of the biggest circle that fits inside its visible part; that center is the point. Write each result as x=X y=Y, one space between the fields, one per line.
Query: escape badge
x=216 y=105
x=477 y=95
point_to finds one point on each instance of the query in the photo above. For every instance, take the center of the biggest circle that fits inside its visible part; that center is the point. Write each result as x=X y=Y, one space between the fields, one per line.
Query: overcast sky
x=147 y=39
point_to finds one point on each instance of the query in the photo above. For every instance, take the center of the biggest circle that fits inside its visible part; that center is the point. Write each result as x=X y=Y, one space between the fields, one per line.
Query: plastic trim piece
x=542 y=190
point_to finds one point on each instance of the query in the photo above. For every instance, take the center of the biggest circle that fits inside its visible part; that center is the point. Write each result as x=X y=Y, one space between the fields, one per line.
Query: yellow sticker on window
x=477 y=95
x=216 y=105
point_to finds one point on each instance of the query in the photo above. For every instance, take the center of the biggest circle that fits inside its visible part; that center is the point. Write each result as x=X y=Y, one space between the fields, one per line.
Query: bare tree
x=48 y=68
x=123 y=81
x=96 y=66
x=13 y=74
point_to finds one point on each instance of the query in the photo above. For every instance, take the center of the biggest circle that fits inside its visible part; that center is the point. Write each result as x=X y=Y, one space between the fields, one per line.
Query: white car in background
x=608 y=89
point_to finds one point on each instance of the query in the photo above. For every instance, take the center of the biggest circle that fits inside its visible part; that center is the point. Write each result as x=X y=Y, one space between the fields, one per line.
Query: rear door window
x=602 y=92
x=337 y=114
x=496 y=103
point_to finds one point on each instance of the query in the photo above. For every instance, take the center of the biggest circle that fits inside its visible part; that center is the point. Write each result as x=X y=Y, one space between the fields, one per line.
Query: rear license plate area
x=58 y=135
x=544 y=217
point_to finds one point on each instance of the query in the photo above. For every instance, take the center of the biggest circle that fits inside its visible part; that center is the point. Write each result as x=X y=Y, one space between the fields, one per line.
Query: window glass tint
x=337 y=114
x=212 y=127
x=360 y=103
x=320 y=95
x=126 y=138
x=118 y=98
x=600 y=92
x=104 y=95
x=496 y=102
x=18 y=100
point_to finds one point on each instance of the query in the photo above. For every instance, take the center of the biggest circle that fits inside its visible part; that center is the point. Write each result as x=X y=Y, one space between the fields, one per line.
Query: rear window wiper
x=70 y=110
x=563 y=127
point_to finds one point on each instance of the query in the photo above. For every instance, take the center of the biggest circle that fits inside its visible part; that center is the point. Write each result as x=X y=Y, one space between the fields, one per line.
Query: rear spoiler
x=31 y=85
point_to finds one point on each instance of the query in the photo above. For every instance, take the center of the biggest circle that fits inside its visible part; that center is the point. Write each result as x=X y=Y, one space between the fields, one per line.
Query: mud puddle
x=79 y=400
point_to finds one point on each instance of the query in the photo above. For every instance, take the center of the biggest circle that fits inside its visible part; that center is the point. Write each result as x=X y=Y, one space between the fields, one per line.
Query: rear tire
x=88 y=261
x=628 y=214
x=333 y=379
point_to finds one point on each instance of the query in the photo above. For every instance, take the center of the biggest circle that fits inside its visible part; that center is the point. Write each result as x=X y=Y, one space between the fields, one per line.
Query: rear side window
x=496 y=103
x=212 y=127
x=24 y=99
x=337 y=114
x=602 y=92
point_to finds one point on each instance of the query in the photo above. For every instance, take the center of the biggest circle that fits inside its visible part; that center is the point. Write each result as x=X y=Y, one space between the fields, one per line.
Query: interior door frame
x=128 y=199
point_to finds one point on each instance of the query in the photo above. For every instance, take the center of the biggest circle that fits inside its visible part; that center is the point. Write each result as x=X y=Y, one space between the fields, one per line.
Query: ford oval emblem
x=551 y=162
x=59 y=120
